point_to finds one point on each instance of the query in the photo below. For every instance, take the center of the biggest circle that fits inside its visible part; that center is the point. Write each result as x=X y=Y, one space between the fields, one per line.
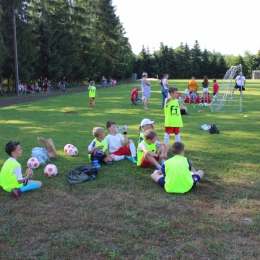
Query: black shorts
x=239 y=87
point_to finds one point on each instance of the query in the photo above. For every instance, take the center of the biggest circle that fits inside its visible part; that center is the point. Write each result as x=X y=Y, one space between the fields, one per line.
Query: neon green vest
x=151 y=147
x=103 y=143
x=8 y=179
x=178 y=178
x=173 y=114
x=139 y=139
x=92 y=92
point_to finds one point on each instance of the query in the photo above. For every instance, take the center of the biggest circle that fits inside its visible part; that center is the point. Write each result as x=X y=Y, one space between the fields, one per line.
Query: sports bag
x=82 y=174
x=213 y=129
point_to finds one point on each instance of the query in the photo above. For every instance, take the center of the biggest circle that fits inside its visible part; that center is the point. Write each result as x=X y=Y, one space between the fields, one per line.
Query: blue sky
x=226 y=26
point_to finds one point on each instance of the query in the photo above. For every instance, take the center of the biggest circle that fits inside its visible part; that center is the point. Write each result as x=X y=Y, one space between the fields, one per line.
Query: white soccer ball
x=201 y=104
x=72 y=151
x=33 y=163
x=50 y=170
x=66 y=147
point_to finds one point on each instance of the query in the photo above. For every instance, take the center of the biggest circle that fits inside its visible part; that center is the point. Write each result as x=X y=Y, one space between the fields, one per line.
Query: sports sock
x=119 y=157
x=177 y=138
x=166 y=138
x=30 y=186
x=132 y=149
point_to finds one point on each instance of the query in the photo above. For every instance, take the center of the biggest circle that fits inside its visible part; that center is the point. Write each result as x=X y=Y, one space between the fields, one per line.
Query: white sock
x=159 y=167
x=166 y=138
x=132 y=149
x=119 y=157
x=177 y=138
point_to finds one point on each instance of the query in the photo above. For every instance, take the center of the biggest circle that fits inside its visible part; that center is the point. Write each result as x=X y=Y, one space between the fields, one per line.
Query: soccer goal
x=256 y=74
x=221 y=102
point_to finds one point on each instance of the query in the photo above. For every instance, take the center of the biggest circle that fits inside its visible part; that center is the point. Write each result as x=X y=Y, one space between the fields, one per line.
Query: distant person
x=36 y=87
x=215 y=89
x=146 y=89
x=193 y=88
x=104 y=82
x=63 y=84
x=240 y=84
x=184 y=109
x=177 y=175
x=134 y=96
x=11 y=178
x=92 y=93
x=30 y=89
x=45 y=86
x=205 y=89
x=165 y=86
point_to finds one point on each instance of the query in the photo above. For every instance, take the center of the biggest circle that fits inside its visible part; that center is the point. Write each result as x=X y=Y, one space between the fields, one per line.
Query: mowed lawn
x=123 y=214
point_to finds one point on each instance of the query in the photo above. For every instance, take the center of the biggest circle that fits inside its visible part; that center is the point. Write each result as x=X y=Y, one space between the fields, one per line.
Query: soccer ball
x=50 y=170
x=201 y=104
x=67 y=146
x=33 y=163
x=72 y=151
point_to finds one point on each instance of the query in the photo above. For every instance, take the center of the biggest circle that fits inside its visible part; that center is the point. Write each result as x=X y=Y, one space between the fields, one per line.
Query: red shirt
x=134 y=93
x=215 y=88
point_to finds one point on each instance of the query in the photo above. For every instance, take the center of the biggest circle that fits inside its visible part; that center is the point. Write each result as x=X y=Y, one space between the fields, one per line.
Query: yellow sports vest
x=92 y=92
x=173 y=114
x=139 y=139
x=178 y=178
x=103 y=143
x=8 y=179
x=151 y=147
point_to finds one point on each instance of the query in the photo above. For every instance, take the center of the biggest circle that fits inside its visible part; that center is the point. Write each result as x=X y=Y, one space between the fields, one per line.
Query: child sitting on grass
x=97 y=150
x=177 y=174
x=119 y=146
x=11 y=178
x=148 y=153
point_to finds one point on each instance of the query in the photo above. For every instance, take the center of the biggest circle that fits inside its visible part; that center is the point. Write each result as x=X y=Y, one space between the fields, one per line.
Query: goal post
x=255 y=74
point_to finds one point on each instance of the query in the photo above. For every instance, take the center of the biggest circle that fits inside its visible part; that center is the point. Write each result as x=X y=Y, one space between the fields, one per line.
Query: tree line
x=84 y=39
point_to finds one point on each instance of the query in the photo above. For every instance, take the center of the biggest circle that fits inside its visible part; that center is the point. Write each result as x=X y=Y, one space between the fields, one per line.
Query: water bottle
x=122 y=128
x=96 y=164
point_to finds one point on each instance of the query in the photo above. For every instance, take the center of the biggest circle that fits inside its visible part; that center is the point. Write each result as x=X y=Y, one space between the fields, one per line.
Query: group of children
x=175 y=175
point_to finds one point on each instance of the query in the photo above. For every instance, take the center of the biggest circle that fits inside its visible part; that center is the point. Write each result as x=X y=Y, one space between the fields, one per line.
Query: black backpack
x=82 y=174
x=213 y=129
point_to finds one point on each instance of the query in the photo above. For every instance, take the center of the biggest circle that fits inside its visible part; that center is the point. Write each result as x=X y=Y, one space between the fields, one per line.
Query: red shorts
x=124 y=150
x=172 y=130
x=147 y=164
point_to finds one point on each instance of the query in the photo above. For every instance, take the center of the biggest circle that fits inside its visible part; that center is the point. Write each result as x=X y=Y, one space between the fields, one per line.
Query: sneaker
x=146 y=108
x=133 y=160
x=16 y=193
x=128 y=157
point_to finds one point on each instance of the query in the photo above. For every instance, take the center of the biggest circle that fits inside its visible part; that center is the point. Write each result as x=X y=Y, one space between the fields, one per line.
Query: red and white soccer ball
x=72 y=151
x=33 y=163
x=50 y=170
x=67 y=146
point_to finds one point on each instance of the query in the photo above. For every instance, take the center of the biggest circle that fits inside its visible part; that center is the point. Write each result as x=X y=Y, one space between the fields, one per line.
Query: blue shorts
x=195 y=177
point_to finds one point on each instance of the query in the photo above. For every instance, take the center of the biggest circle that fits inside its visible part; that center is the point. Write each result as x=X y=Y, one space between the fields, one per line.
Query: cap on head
x=146 y=121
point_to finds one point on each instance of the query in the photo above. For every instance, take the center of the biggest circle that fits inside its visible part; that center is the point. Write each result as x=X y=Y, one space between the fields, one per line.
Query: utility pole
x=15 y=11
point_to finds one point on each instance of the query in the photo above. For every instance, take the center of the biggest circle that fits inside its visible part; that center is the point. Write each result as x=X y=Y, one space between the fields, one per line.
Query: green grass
x=123 y=214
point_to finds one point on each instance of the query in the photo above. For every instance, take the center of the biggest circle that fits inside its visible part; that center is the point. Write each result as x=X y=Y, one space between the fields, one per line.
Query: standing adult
x=205 y=89
x=44 y=85
x=164 y=83
x=146 y=89
x=193 y=88
x=63 y=84
x=240 y=84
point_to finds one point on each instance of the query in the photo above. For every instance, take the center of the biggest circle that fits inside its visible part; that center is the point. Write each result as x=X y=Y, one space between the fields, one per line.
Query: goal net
x=256 y=74
x=222 y=102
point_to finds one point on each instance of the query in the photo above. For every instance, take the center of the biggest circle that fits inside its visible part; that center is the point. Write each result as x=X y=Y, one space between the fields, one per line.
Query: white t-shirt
x=164 y=83
x=114 y=142
x=17 y=171
x=240 y=80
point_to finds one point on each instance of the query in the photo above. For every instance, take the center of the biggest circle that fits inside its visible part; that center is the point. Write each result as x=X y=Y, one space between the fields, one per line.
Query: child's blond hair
x=97 y=131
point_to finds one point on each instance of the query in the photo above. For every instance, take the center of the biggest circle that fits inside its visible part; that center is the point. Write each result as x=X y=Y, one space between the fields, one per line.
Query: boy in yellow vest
x=11 y=178
x=177 y=174
x=172 y=113
x=148 y=153
x=98 y=147
x=92 y=93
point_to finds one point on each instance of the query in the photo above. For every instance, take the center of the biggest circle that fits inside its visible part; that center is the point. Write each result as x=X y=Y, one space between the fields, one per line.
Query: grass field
x=123 y=214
